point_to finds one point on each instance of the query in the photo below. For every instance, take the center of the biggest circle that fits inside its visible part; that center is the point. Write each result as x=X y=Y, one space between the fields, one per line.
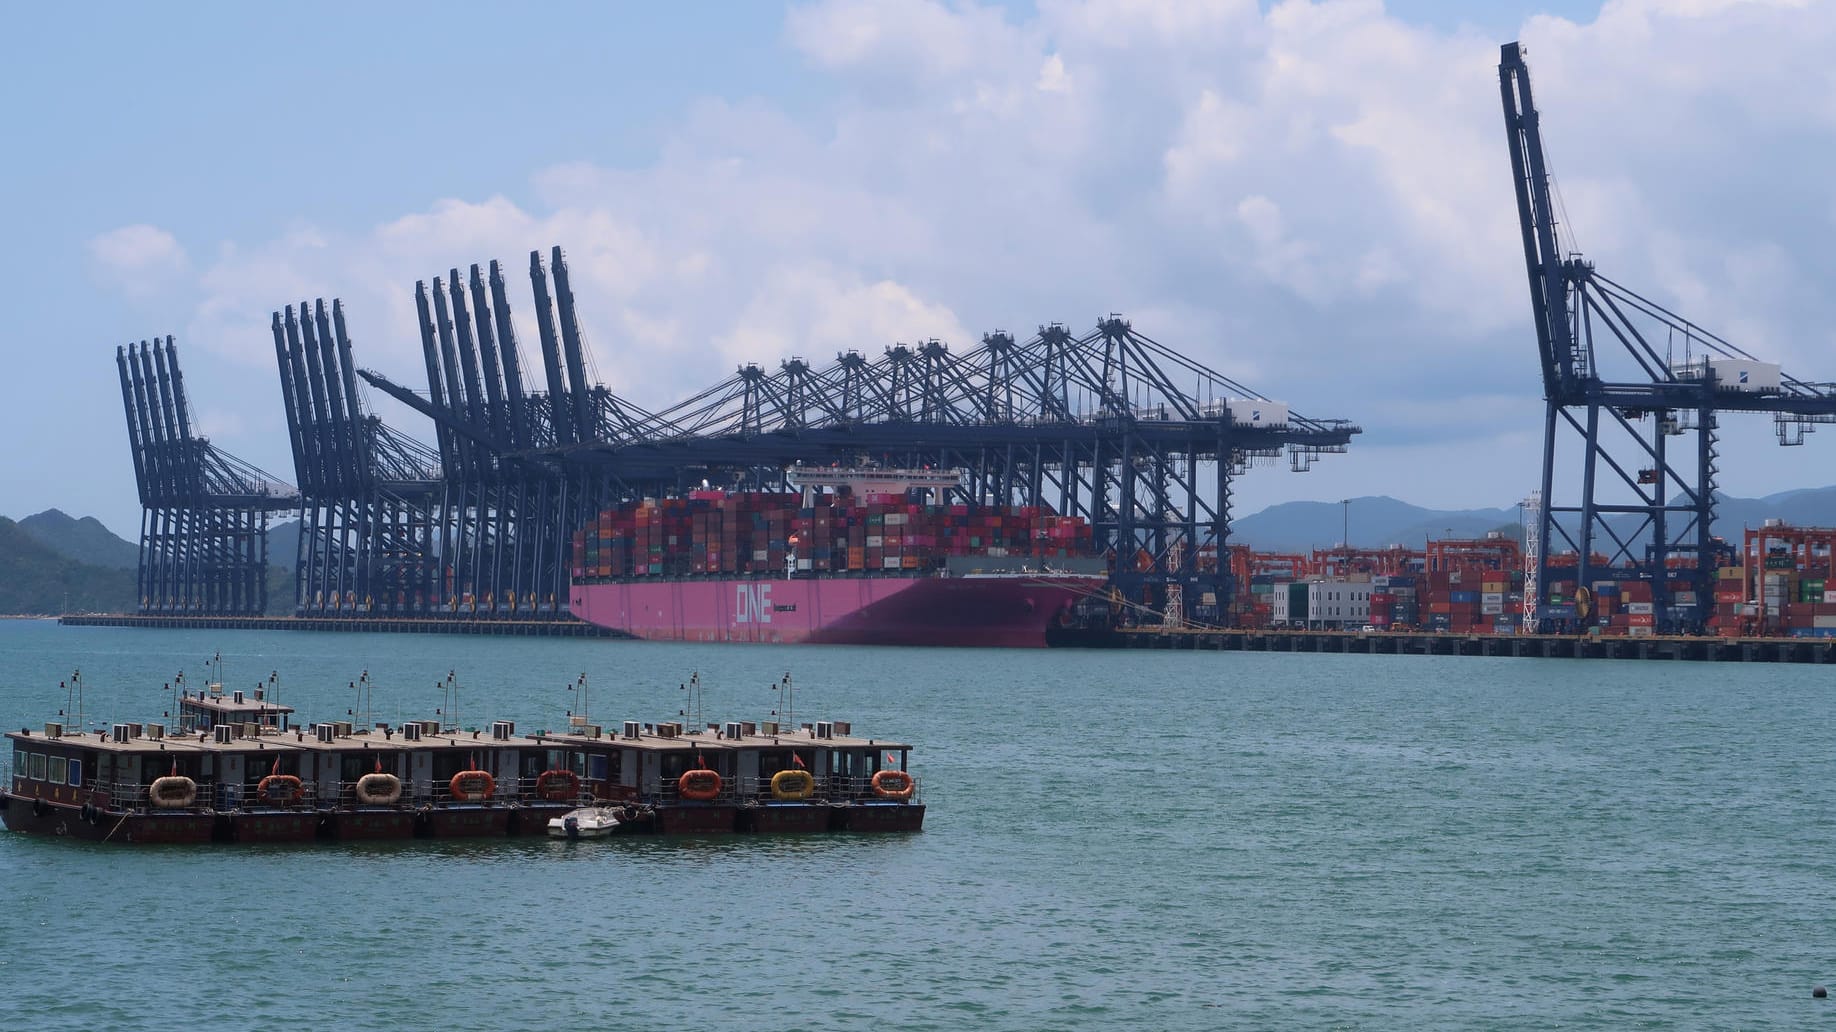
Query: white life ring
x=172 y=792
x=379 y=789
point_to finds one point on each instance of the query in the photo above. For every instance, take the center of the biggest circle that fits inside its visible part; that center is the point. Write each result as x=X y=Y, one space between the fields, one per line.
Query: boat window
x=38 y=766
x=76 y=774
x=58 y=766
x=20 y=763
x=674 y=764
x=352 y=766
x=599 y=767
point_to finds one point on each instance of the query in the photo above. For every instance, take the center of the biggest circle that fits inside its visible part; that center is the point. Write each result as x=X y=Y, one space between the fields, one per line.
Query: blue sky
x=1311 y=196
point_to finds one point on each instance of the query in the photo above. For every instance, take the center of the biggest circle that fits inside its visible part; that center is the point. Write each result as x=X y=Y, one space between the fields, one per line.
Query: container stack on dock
x=1471 y=600
x=716 y=533
x=1782 y=587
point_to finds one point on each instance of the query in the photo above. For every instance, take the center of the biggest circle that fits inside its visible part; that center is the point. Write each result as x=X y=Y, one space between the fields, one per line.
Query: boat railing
x=134 y=797
x=860 y=789
x=670 y=794
x=244 y=797
x=759 y=790
x=524 y=790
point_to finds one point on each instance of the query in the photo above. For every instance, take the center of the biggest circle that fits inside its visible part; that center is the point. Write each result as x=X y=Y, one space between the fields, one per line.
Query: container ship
x=861 y=557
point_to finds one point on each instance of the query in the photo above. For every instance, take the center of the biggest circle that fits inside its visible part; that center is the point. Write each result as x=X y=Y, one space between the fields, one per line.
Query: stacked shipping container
x=714 y=533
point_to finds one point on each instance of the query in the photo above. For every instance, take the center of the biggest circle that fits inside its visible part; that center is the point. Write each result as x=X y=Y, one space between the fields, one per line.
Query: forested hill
x=36 y=580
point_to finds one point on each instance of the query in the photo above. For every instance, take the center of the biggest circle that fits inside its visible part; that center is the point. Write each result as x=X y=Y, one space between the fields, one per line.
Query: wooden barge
x=236 y=769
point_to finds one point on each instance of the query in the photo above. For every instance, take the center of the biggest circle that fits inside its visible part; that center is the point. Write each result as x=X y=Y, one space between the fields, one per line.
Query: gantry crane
x=1622 y=377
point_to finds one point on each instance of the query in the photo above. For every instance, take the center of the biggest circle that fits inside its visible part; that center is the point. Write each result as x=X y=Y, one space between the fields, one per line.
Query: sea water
x=1114 y=839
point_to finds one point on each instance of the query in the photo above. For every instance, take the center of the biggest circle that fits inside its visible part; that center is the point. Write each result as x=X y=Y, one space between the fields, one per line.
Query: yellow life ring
x=379 y=789
x=792 y=785
x=896 y=785
x=172 y=792
x=472 y=786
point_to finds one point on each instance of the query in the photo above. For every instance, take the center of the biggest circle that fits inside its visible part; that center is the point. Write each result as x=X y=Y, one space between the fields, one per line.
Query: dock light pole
x=274 y=684
x=1345 y=523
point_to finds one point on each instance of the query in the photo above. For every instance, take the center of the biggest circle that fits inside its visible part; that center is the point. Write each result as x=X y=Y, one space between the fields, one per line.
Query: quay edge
x=1395 y=643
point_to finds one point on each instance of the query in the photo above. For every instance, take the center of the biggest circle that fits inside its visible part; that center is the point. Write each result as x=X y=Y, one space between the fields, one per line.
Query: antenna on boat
x=449 y=688
x=579 y=719
x=787 y=700
x=73 y=698
x=215 y=665
x=693 y=702
x=274 y=684
x=364 y=700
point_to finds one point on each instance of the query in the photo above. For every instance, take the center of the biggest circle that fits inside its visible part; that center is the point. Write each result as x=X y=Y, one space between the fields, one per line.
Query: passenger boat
x=119 y=786
x=753 y=777
x=242 y=772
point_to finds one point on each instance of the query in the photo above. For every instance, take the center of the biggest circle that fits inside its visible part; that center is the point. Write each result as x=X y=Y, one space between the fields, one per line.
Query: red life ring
x=472 y=786
x=896 y=785
x=699 y=784
x=280 y=789
x=558 y=786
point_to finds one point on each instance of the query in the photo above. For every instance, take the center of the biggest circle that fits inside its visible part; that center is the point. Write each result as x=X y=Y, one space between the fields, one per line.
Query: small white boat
x=586 y=822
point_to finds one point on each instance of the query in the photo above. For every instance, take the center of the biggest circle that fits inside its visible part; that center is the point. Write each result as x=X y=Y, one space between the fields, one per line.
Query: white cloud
x=140 y=260
x=1314 y=198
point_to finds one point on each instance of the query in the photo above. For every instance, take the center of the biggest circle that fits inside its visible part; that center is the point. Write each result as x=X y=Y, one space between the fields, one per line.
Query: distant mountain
x=86 y=540
x=1807 y=507
x=1373 y=521
x=36 y=580
x=284 y=544
x=1378 y=521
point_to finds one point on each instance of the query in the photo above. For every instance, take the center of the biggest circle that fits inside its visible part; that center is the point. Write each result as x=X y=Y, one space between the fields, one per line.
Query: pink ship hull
x=1004 y=612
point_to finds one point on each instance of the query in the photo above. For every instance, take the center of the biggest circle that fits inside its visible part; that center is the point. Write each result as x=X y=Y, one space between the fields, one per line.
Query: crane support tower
x=1109 y=425
x=204 y=513
x=1633 y=393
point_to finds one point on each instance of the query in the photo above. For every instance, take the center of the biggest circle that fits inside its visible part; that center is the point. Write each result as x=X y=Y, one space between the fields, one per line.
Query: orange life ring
x=472 y=786
x=896 y=785
x=558 y=786
x=281 y=789
x=699 y=784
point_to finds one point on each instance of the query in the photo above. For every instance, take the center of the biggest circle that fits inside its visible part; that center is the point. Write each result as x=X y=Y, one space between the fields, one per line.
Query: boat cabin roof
x=715 y=738
x=647 y=741
x=103 y=742
x=236 y=703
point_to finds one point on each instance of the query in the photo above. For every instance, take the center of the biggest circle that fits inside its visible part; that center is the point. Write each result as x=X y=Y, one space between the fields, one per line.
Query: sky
x=1312 y=197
